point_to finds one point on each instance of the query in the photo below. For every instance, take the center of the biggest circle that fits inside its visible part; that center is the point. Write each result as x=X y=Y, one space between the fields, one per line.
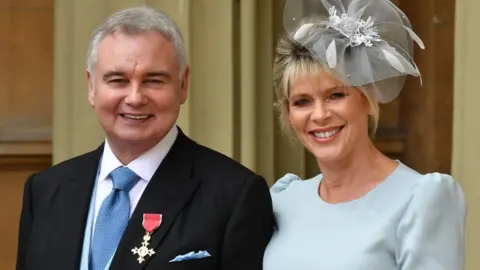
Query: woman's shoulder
x=290 y=182
x=440 y=185
x=290 y=191
x=427 y=180
x=285 y=182
x=434 y=186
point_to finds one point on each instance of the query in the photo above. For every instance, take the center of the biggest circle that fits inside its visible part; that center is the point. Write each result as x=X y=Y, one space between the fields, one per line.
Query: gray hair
x=137 y=20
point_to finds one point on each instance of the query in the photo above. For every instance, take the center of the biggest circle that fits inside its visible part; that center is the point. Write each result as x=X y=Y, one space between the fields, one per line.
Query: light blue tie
x=112 y=218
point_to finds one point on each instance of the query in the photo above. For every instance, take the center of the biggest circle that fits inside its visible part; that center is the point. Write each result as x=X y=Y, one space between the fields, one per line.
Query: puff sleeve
x=431 y=232
x=283 y=183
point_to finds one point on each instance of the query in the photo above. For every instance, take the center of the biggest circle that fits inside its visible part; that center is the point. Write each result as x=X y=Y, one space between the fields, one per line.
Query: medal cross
x=143 y=251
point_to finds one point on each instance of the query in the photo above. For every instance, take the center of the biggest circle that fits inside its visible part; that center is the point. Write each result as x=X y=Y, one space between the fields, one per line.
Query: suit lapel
x=168 y=191
x=73 y=206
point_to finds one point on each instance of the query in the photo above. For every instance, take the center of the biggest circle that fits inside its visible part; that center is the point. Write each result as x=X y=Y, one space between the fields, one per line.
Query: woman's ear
x=286 y=112
x=369 y=106
x=370 y=109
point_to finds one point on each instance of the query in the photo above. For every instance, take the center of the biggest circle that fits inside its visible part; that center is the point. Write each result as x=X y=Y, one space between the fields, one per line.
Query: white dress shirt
x=144 y=166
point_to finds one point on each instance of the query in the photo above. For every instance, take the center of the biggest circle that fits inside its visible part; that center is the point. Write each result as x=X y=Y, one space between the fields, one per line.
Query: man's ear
x=184 y=85
x=91 y=89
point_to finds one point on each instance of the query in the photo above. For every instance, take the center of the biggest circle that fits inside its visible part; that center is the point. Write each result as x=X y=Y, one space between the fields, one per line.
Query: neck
x=127 y=152
x=355 y=175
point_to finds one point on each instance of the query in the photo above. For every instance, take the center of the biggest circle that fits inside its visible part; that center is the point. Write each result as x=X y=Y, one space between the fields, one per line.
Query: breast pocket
x=195 y=264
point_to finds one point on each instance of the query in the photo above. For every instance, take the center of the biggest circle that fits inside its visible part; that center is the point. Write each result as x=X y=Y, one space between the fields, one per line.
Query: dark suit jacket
x=208 y=201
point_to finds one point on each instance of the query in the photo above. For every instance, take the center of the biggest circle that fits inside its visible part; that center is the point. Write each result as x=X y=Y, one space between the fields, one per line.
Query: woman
x=364 y=211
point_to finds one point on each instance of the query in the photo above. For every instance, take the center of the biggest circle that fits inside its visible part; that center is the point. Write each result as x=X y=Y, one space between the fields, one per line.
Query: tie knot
x=123 y=178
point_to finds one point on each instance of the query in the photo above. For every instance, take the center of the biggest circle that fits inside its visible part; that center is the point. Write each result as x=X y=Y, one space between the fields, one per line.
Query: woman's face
x=329 y=118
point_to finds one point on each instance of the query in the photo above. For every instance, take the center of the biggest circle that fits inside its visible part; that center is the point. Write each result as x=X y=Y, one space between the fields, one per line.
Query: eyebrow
x=334 y=88
x=164 y=74
x=330 y=89
x=112 y=73
x=115 y=73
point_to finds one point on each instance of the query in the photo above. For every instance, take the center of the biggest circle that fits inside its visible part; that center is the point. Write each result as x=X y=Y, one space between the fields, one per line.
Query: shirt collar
x=145 y=165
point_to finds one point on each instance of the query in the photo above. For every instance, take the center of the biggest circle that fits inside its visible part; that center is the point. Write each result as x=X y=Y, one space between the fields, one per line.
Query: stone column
x=466 y=128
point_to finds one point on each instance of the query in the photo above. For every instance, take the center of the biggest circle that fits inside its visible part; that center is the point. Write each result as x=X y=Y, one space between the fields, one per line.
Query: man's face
x=136 y=89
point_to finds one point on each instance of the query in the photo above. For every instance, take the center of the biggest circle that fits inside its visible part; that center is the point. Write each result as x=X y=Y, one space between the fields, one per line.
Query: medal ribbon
x=151 y=222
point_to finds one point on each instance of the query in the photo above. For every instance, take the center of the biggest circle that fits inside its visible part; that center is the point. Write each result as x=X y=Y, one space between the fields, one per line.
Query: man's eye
x=118 y=81
x=154 y=81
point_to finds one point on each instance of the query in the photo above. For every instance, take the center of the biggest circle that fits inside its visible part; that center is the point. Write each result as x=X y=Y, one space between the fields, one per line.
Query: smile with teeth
x=326 y=134
x=136 y=117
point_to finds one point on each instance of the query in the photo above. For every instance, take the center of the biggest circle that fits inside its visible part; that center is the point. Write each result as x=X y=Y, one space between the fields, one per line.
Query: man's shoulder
x=66 y=168
x=214 y=162
x=223 y=176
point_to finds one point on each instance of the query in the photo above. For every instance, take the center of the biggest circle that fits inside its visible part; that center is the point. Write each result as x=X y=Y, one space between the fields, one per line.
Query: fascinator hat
x=365 y=43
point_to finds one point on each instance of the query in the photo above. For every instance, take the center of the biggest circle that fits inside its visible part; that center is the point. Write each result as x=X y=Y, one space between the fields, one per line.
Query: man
x=148 y=197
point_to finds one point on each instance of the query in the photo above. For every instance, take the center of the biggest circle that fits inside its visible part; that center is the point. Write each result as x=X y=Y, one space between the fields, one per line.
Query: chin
x=328 y=154
x=132 y=137
x=326 y=158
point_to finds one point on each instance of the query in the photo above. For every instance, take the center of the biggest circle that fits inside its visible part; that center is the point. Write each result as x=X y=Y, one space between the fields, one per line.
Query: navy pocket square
x=191 y=256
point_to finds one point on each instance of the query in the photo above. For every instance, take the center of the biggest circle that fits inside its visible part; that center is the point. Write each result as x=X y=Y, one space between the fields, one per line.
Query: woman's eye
x=337 y=95
x=301 y=102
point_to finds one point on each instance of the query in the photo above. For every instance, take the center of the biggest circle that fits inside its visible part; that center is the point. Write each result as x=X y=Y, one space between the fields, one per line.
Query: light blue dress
x=409 y=221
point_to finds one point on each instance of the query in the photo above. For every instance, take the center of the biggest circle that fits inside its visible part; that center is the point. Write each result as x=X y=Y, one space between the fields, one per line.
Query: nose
x=135 y=97
x=320 y=112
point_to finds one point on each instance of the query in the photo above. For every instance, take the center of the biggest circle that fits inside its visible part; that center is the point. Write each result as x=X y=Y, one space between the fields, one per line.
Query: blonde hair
x=292 y=60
